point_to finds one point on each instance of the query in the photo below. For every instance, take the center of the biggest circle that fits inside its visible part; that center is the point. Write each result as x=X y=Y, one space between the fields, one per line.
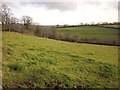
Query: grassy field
x=93 y=34
x=114 y=26
x=30 y=61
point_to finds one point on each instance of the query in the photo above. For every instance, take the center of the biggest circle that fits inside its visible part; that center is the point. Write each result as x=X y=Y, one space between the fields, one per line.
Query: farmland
x=113 y=26
x=30 y=61
x=92 y=34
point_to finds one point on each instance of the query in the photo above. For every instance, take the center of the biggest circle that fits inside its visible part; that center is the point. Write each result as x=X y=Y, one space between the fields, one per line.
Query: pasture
x=92 y=34
x=30 y=61
x=113 y=26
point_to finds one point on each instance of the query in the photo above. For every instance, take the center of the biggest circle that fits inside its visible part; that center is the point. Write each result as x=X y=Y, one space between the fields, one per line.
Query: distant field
x=114 y=26
x=30 y=61
x=93 y=34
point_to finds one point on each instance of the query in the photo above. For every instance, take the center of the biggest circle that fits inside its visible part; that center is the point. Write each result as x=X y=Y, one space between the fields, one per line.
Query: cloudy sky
x=53 y=12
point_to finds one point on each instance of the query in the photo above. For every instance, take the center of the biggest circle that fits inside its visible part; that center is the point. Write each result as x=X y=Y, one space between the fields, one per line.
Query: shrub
x=107 y=71
x=15 y=66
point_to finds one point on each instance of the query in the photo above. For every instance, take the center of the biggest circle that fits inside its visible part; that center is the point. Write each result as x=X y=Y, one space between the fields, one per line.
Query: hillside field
x=94 y=34
x=113 y=26
x=30 y=61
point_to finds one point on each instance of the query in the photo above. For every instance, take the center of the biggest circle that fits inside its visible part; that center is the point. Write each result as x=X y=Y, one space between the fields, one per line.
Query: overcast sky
x=53 y=12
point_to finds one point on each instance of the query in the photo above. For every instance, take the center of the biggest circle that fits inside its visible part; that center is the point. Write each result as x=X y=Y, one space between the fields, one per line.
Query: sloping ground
x=112 y=26
x=92 y=34
x=35 y=62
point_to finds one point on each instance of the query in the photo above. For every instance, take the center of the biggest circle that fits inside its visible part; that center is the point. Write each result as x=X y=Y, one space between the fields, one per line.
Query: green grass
x=30 y=61
x=92 y=33
x=114 y=26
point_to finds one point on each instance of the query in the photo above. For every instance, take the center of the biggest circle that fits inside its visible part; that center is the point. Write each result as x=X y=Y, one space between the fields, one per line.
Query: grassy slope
x=94 y=32
x=114 y=26
x=39 y=62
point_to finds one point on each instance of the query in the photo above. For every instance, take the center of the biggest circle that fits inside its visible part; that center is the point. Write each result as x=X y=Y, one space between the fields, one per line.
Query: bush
x=107 y=71
x=15 y=66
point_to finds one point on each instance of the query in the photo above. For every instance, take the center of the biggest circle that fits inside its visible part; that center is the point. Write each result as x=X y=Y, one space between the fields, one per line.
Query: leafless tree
x=14 y=20
x=6 y=16
x=26 y=20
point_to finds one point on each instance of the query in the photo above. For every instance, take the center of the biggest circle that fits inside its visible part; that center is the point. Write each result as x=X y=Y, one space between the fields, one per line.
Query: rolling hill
x=30 y=61
x=92 y=34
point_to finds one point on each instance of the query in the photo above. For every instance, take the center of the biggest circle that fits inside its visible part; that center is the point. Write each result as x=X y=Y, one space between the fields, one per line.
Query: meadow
x=30 y=61
x=92 y=34
x=113 y=26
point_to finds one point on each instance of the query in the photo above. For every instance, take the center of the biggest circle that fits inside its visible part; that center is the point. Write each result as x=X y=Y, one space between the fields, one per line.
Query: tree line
x=25 y=25
x=9 y=20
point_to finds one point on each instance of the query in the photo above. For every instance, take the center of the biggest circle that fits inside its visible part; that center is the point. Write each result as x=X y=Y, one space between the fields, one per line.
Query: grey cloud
x=93 y=3
x=11 y=4
x=106 y=5
x=113 y=5
x=62 y=6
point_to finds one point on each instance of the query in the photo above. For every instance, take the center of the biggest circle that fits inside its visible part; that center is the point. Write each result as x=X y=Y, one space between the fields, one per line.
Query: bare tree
x=26 y=20
x=14 y=20
x=6 y=16
x=14 y=25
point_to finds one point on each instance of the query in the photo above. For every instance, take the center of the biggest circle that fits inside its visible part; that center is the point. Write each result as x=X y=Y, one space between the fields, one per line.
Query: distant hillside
x=91 y=34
